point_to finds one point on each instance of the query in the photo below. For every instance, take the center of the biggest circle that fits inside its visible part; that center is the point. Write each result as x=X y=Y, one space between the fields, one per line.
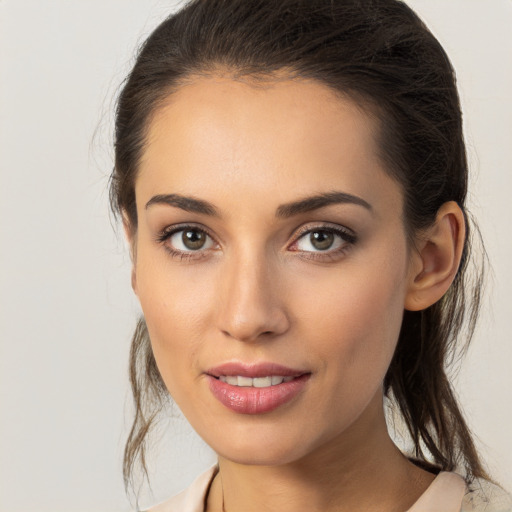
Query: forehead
x=217 y=134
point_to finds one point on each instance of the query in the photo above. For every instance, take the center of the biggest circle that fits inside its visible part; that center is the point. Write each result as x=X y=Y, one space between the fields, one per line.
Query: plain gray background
x=66 y=307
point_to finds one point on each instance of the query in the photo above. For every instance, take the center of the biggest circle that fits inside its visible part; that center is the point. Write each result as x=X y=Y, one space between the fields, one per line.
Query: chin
x=263 y=456
x=271 y=446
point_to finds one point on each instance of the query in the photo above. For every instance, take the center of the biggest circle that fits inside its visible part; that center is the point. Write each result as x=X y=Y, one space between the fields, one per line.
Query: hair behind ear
x=417 y=380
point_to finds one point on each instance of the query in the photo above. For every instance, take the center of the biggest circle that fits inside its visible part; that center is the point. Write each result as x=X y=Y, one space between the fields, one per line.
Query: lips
x=255 y=389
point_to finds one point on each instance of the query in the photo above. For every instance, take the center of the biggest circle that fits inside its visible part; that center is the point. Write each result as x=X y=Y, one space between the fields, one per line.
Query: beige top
x=447 y=493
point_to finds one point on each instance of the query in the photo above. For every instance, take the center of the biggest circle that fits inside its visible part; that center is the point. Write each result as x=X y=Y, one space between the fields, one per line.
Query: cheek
x=173 y=304
x=355 y=315
x=353 y=299
x=351 y=330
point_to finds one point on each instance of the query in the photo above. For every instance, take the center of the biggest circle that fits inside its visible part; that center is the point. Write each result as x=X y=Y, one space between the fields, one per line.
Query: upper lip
x=254 y=370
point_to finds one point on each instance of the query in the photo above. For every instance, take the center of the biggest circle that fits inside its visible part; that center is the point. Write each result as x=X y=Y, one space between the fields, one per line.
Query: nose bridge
x=251 y=306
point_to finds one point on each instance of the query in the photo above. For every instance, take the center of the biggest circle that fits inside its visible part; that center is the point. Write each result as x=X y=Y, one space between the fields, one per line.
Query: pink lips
x=254 y=400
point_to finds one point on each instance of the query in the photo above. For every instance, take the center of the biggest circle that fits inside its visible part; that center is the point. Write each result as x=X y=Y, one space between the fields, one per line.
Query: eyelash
x=168 y=232
x=348 y=237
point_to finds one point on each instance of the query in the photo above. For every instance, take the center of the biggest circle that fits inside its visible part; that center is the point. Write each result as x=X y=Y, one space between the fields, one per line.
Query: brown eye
x=326 y=240
x=193 y=239
x=321 y=240
x=189 y=240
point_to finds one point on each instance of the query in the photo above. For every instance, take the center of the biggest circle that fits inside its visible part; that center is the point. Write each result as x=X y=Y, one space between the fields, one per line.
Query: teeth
x=257 y=382
x=275 y=379
x=244 y=381
x=262 y=382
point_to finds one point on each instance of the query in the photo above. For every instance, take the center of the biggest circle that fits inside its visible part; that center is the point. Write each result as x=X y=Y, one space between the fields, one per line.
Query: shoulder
x=484 y=496
x=192 y=498
x=450 y=493
x=445 y=494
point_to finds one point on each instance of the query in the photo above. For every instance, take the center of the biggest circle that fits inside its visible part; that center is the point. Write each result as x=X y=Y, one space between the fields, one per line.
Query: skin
x=258 y=290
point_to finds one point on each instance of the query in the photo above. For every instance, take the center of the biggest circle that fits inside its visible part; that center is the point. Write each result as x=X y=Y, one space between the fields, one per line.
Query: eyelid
x=183 y=226
x=343 y=231
x=165 y=234
x=348 y=236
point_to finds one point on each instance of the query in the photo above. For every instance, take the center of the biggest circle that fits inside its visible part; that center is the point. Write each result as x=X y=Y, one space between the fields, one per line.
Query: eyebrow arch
x=319 y=201
x=189 y=204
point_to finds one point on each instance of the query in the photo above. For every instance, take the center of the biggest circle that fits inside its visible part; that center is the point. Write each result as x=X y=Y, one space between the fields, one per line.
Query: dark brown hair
x=380 y=54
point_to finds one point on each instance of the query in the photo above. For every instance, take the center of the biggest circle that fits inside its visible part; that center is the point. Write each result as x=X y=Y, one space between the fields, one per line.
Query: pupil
x=193 y=239
x=322 y=240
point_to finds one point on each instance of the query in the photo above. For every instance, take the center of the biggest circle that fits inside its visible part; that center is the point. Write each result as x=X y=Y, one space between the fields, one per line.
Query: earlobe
x=129 y=234
x=436 y=259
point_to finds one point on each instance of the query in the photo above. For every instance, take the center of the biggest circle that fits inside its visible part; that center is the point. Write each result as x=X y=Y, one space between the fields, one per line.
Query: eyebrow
x=320 y=201
x=191 y=204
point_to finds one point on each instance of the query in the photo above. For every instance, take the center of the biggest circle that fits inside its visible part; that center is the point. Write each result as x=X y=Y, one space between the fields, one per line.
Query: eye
x=185 y=240
x=318 y=240
x=323 y=239
x=190 y=240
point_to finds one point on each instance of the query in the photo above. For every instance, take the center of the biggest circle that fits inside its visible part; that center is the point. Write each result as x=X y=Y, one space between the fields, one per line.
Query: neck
x=359 y=470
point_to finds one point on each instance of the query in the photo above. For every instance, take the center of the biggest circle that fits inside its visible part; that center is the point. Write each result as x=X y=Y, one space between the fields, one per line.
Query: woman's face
x=270 y=244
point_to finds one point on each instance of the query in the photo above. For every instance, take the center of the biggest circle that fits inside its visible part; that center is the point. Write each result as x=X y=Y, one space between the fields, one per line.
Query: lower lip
x=251 y=400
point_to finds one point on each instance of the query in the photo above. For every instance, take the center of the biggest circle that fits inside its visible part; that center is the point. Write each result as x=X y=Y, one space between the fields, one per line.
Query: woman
x=292 y=181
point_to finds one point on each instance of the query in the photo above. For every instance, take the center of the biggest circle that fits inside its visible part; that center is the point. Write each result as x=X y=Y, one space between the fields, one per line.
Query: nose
x=251 y=306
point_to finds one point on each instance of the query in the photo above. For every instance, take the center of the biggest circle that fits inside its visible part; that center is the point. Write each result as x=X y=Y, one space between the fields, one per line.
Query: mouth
x=254 y=382
x=255 y=388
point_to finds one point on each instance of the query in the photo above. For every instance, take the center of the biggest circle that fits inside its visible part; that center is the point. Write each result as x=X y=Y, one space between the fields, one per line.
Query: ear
x=130 y=235
x=436 y=258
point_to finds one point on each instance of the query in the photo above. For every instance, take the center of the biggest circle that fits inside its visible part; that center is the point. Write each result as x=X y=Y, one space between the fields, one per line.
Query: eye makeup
x=323 y=242
x=314 y=241
x=187 y=241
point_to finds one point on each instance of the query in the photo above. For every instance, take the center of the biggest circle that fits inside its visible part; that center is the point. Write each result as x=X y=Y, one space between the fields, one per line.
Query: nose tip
x=254 y=326
x=252 y=308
